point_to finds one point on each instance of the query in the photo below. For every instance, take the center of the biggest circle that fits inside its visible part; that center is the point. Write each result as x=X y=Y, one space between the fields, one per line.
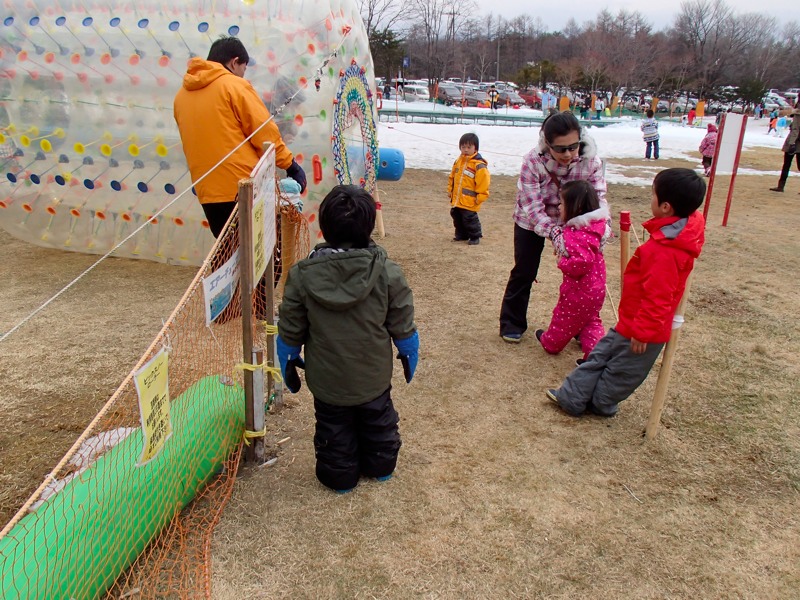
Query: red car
x=531 y=98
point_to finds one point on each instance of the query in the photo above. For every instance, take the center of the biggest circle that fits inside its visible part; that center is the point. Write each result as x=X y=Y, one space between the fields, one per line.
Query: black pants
x=467 y=224
x=351 y=441
x=787 y=164
x=217 y=215
x=528 y=247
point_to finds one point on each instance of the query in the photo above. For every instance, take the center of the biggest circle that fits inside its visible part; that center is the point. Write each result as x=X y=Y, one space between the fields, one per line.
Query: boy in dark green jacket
x=346 y=303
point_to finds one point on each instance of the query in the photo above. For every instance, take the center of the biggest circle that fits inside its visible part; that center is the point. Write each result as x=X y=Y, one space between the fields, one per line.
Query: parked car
x=771 y=103
x=418 y=93
x=476 y=98
x=531 y=98
x=448 y=94
x=509 y=98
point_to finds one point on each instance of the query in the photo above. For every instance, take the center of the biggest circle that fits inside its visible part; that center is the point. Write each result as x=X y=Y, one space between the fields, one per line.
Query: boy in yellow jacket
x=468 y=188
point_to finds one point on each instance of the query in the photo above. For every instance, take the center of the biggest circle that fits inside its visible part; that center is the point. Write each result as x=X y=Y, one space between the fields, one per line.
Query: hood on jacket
x=477 y=156
x=340 y=280
x=201 y=73
x=685 y=233
x=588 y=145
x=712 y=127
x=601 y=214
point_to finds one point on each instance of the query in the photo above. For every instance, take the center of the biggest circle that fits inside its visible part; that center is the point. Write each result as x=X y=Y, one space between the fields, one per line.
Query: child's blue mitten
x=289 y=359
x=408 y=353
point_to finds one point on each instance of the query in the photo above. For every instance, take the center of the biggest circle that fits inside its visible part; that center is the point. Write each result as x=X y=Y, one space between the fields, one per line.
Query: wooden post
x=269 y=277
x=246 y=291
x=666 y=368
x=256 y=447
x=624 y=244
x=379 y=215
x=288 y=244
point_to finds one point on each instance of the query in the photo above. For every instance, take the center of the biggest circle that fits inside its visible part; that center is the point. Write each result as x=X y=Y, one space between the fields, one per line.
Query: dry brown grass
x=496 y=495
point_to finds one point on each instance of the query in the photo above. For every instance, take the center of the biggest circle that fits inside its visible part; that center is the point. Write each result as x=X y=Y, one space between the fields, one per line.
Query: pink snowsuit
x=583 y=290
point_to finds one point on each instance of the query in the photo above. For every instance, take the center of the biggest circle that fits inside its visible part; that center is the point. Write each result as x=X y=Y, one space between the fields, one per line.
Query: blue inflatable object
x=391 y=164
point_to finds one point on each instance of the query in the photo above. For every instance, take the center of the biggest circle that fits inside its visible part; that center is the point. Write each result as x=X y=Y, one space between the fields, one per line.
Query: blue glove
x=289 y=359
x=408 y=353
x=296 y=172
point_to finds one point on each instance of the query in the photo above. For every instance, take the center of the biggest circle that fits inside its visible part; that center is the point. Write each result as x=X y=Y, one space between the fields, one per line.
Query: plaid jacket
x=537 y=190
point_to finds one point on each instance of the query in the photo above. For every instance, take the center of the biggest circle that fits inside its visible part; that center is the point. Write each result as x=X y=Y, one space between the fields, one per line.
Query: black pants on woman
x=787 y=165
x=528 y=247
x=351 y=441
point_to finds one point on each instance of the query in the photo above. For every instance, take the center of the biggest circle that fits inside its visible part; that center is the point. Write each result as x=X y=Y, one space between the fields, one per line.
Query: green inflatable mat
x=82 y=539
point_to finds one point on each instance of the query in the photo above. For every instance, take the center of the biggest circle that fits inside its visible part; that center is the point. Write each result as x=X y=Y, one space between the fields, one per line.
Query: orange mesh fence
x=105 y=523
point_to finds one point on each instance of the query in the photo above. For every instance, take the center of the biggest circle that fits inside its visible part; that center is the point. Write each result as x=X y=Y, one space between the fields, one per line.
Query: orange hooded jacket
x=215 y=110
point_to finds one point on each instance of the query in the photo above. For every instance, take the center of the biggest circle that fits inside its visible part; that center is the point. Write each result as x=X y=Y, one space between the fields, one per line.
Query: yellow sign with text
x=152 y=386
x=260 y=259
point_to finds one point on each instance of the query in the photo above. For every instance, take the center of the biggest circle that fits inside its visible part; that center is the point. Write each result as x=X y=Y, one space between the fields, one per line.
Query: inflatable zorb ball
x=89 y=149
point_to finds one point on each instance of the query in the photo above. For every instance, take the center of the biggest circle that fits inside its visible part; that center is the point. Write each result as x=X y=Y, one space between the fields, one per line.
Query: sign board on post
x=263 y=220
x=726 y=157
x=152 y=387
x=219 y=286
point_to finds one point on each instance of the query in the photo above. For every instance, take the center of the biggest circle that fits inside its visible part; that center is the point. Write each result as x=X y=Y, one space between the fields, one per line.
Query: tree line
x=708 y=49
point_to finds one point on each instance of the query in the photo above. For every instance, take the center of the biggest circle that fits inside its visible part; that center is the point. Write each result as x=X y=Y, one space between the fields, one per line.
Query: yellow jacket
x=468 y=186
x=215 y=110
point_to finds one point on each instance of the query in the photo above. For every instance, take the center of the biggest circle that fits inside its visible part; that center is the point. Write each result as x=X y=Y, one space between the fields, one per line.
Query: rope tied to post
x=250 y=435
x=274 y=371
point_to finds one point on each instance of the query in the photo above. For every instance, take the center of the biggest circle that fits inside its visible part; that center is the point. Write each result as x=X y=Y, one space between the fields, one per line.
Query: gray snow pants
x=610 y=374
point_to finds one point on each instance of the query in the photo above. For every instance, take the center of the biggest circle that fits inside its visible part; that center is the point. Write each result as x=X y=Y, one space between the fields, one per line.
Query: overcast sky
x=659 y=13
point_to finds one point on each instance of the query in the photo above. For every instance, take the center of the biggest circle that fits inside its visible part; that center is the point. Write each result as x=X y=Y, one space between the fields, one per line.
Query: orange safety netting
x=104 y=524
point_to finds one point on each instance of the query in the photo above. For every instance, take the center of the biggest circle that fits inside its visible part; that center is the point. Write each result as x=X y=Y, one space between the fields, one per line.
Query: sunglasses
x=564 y=149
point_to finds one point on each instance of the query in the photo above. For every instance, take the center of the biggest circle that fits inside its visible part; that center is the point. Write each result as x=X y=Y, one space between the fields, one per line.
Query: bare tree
x=437 y=23
x=379 y=14
x=703 y=26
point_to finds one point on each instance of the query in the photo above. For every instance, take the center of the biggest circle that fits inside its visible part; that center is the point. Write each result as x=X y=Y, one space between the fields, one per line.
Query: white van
x=416 y=93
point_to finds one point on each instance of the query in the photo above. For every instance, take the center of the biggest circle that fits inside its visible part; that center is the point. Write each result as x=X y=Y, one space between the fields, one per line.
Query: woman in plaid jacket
x=564 y=153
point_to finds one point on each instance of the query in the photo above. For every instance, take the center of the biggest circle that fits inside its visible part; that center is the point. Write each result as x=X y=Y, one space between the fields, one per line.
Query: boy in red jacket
x=653 y=285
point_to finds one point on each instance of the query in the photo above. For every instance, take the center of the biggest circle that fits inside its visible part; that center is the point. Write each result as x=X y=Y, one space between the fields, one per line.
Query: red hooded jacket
x=655 y=277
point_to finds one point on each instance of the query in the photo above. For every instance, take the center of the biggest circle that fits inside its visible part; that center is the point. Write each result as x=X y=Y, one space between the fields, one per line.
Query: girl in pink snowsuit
x=707 y=147
x=583 y=290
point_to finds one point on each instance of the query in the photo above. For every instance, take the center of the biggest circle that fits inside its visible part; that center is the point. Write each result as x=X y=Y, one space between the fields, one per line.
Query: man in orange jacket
x=216 y=110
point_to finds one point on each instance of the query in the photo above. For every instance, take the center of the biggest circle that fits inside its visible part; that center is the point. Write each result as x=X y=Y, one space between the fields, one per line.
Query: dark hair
x=347 y=217
x=469 y=138
x=682 y=188
x=559 y=124
x=650 y=113
x=226 y=48
x=579 y=198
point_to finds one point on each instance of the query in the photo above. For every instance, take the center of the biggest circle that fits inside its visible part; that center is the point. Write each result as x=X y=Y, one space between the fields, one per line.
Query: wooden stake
x=666 y=369
x=246 y=291
x=257 y=444
x=379 y=215
x=624 y=244
x=272 y=354
x=288 y=244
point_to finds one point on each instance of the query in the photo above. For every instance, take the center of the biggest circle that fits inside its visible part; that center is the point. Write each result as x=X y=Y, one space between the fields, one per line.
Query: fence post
x=624 y=244
x=666 y=366
x=257 y=407
x=246 y=290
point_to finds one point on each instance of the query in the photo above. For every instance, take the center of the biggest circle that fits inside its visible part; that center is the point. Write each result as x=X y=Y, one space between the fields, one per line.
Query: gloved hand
x=557 y=237
x=408 y=353
x=296 y=172
x=289 y=359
